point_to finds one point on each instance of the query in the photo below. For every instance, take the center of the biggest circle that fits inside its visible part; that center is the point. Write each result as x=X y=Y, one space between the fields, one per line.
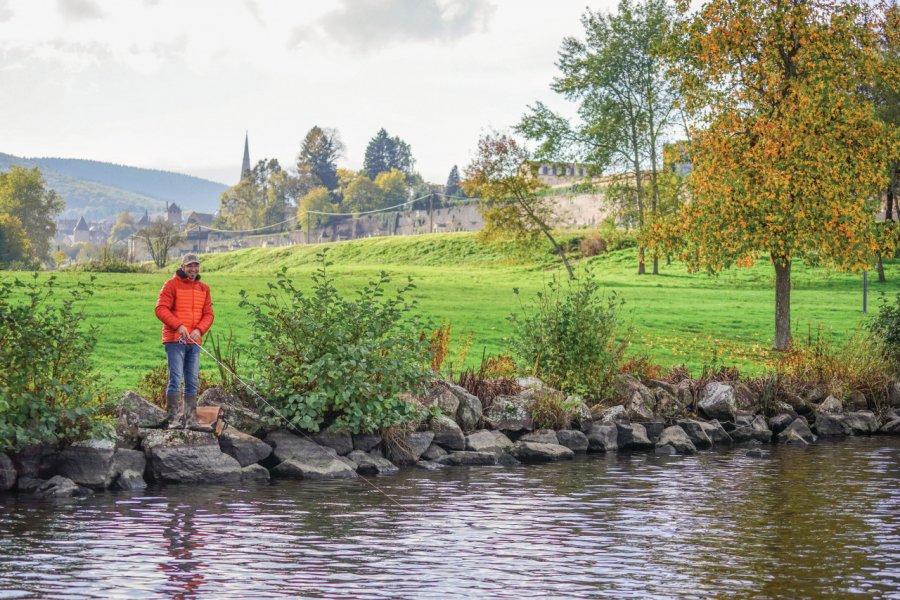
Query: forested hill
x=98 y=190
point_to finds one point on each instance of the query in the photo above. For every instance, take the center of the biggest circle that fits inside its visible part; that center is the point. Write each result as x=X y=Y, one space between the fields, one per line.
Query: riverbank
x=659 y=417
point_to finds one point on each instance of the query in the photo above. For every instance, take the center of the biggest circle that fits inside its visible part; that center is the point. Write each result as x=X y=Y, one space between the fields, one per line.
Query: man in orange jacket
x=185 y=309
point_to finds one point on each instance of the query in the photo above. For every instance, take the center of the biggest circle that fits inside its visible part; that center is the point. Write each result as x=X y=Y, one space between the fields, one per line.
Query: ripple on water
x=820 y=521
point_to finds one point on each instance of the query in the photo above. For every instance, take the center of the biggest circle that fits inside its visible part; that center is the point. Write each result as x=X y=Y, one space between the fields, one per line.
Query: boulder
x=780 y=422
x=59 y=487
x=797 y=428
x=612 y=415
x=367 y=464
x=469 y=458
x=536 y=452
x=640 y=407
x=366 y=441
x=406 y=449
x=717 y=402
x=88 y=463
x=744 y=398
x=626 y=386
x=185 y=456
x=603 y=438
x=856 y=401
x=8 y=473
x=509 y=413
x=715 y=432
x=237 y=415
x=488 y=441
x=429 y=465
x=573 y=439
x=447 y=433
x=38 y=461
x=315 y=466
x=862 y=422
x=667 y=404
x=581 y=418
x=761 y=431
x=792 y=437
x=827 y=424
x=255 y=472
x=127 y=470
x=891 y=427
x=632 y=436
x=830 y=405
x=340 y=441
x=675 y=438
x=134 y=408
x=433 y=452
x=695 y=432
x=469 y=413
x=542 y=436
x=244 y=448
x=894 y=394
x=529 y=383
x=443 y=394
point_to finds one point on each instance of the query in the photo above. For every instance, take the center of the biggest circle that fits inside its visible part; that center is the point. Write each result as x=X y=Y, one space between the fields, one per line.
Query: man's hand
x=183 y=332
x=195 y=335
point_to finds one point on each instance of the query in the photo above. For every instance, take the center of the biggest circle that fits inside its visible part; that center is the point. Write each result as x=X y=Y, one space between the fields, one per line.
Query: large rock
x=340 y=441
x=862 y=422
x=59 y=487
x=891 y=427
x=366 y=441
x=88 y=463
x=542 y=436
x=127 y=470
x=612 y=415
x=315 y=468
x=744 y=398
x=369 y=464
x=633 y=436
x=488 y=441
x=798 y=428
x=237 y=415
x=255 y=472
x=509 y=413
x=434 y=451
x=134 y=408
x=185 y=456
x=447 y=433
x=830 y=405
x=535 y=452
x=573 y=439
x=603 y=438
x=639 y=407
x=582 y=418
x=827 y=424
x=407 y=449
x=894 y=394
x=469 y=413
x=780 y=422
x=38 y=461
x=626 y=386
x=695 y=432
x=530 y=383
x=8 y=473
x=654 y=428
x=243 y=447
x=468 y=458
x=715 y=432
x=791 y=437
x=718 y=402
x=674 y=440
x=751 y=429
x=445 y=396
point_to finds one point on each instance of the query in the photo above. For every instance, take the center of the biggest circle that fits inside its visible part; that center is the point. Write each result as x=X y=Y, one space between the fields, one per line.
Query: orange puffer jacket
x=184 y=302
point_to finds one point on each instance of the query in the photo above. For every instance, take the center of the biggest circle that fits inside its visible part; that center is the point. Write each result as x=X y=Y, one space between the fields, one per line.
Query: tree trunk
x=656 y=265
x=782 y=303
x=641 y=268
x=879 y=266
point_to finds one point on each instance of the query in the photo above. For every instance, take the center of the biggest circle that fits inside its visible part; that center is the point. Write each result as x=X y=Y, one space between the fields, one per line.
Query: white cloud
x=79 y=10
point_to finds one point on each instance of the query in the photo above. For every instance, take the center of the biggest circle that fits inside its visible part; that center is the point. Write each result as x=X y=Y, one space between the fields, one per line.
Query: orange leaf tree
x=787 y=152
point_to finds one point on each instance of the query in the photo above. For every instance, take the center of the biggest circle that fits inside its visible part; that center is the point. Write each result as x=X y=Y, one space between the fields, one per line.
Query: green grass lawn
x=677 y=317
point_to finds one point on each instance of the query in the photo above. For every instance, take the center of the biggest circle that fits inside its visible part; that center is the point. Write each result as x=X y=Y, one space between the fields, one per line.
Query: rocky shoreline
x=660 y=417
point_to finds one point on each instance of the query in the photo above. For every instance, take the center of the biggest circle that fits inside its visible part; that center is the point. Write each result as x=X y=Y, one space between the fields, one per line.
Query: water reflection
x=815 y=522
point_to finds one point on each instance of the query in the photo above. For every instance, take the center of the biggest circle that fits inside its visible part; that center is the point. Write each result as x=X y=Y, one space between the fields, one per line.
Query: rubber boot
x=190 y=415
x=173 y=418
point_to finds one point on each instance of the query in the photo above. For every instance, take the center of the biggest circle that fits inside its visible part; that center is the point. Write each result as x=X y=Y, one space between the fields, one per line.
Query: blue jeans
x=184 y=362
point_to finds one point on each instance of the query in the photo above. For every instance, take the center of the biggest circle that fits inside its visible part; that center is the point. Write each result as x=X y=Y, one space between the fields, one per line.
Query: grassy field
x=677 y=317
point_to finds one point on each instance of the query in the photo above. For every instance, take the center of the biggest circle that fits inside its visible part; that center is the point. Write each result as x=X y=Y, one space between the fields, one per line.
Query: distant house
x=143 y=222
x=81 y=232
x=199 y=219
x=173 y=214
x=555 y=174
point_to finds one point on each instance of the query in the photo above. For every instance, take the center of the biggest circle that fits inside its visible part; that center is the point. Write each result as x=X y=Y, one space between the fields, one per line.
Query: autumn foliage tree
x=503 y=178
x=787 y=153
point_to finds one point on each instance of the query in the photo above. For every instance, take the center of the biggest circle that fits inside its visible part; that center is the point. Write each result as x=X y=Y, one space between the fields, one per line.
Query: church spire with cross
x=245 y=166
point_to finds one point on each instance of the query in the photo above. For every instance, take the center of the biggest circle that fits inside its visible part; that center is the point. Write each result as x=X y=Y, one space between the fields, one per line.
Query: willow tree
x=787 y=152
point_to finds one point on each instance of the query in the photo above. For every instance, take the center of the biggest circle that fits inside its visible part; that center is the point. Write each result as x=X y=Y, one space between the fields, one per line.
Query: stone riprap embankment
x=656 y=416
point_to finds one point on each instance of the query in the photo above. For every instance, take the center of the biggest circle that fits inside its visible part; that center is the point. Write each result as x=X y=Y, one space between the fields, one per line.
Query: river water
x=819 y=522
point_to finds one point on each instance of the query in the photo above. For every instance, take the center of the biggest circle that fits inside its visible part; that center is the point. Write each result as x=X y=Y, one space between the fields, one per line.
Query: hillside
x=98 y=190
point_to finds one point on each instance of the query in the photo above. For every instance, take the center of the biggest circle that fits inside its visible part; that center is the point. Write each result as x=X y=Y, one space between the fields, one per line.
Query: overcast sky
x=175 y=84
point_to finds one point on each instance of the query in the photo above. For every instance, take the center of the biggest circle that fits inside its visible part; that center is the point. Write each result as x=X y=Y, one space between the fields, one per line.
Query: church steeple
x=245 y=166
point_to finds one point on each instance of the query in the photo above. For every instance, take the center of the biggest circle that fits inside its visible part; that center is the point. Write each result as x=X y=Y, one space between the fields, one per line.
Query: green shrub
x=567 y=337
x=550 y=409
x=49 y=390
x=329 y=360
x=886 y=327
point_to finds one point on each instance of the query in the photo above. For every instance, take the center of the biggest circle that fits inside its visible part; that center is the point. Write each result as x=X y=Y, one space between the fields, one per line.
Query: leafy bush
x=550 y=409
x=154 y=382
x=49 y=390
x=107 y=266
x=329 y=360
x=886 y=328
x=592 y=245
x=567 y=337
